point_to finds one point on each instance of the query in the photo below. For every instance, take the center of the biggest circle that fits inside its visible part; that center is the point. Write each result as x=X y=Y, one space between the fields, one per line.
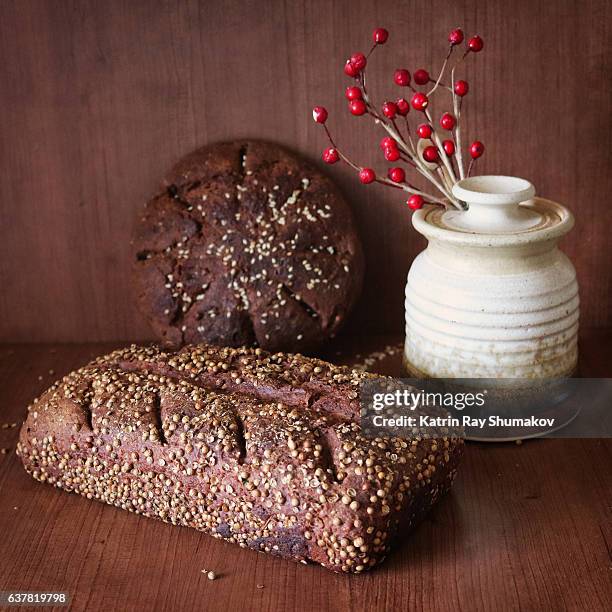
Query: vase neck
x=493 y=205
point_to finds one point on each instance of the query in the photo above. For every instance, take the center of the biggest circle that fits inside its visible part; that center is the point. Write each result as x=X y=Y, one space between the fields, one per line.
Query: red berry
x=476 y=149
x=388 y=143
x=392 y=154
x=430 y=154
x=353 y=93
x=461 y=88
x=421 y=77
x=397 y=175
x=330 y=155
x=449 y=147
x=403 y=106
x=401 y=77
x=359 y=61
x=419 y=101
x=380 y=36
x=475 y=44
x=319 y=114
x=389 y=109
x=415 y=202
x=456 y=36
x=447 y=121
x=367 y=175
x=424 y=130
x=357 y=107
x=350 y=70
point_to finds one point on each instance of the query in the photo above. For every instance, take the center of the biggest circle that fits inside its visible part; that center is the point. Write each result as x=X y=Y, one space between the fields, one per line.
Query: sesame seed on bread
x=247 y=244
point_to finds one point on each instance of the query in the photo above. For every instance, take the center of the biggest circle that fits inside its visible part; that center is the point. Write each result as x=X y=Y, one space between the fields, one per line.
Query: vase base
x=513 y=398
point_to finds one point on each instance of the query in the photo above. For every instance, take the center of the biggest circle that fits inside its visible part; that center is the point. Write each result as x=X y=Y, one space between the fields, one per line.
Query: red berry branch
x=432 y=153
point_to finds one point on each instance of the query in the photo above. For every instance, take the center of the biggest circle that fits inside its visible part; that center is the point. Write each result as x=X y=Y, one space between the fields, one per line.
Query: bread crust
x=263 y=450
x=247 y=244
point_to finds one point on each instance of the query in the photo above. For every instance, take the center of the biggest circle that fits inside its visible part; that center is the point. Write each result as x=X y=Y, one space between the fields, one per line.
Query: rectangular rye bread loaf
x=263 y=450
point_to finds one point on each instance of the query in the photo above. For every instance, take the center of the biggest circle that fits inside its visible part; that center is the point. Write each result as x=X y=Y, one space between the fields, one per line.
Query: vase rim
x=493 y=189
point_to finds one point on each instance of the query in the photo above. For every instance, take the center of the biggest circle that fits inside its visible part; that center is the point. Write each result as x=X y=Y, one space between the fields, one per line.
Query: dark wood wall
x=97 y=99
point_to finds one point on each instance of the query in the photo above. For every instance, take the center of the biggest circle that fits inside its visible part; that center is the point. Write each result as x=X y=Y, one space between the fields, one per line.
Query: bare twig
x=450 y=51
x=457 y=109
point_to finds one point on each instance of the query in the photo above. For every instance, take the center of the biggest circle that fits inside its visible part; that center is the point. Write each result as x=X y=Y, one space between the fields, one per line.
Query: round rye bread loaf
x=247 y=244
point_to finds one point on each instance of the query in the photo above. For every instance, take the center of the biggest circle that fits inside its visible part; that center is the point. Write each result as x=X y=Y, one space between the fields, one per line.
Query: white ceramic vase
x=492 y=296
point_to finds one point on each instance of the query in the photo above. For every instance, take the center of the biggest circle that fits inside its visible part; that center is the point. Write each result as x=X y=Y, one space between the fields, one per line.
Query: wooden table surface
x=526 y=527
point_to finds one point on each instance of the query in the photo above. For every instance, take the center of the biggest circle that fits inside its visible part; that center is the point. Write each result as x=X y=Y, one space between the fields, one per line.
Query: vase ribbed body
x=501 y=305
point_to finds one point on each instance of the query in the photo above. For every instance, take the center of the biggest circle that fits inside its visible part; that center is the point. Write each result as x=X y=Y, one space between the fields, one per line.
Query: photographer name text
x=379 y=420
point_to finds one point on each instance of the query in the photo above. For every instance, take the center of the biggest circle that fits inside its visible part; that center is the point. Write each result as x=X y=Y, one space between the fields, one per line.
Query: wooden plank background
x=98 y=99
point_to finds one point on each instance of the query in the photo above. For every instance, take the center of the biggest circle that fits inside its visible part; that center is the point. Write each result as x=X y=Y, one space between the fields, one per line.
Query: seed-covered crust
x=247 y=244
x=264 y=450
